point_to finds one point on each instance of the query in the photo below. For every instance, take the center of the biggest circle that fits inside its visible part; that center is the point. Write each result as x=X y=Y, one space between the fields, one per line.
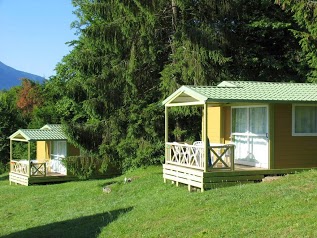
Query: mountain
x=10 y=77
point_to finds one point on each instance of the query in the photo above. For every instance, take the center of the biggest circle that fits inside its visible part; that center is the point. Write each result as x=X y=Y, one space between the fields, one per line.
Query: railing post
x=166 y=133
x=29 y=168
x=29 y=159
x=205 y=136
x=232 y=156
x=10 y=150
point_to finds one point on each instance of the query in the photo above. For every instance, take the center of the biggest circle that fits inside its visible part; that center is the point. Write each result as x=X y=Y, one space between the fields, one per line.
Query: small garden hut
x=51 y=148
x=249 y=130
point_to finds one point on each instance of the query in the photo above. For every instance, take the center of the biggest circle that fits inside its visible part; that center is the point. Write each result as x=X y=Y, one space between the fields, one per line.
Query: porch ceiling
x=185 y=96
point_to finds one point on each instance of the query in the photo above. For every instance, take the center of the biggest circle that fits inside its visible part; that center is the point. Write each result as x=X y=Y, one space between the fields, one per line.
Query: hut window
x=304 y=120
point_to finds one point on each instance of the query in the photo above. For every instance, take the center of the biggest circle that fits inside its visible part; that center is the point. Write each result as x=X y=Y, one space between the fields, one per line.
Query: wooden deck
x=187 y=164
x=33 y=172
x=49 y=178
x=211 y=179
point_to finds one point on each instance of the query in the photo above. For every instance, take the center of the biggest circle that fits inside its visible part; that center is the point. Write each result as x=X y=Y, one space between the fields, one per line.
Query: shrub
x=3 y=168
x=85 y=167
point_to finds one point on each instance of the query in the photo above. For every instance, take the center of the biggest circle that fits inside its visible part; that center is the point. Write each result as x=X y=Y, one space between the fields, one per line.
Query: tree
x=131 y=54
x=112 y=78
x=262 y=46
x=47 y=111
x=305 y=13
x=197 y=44
x=29 y=97
x=10 y=121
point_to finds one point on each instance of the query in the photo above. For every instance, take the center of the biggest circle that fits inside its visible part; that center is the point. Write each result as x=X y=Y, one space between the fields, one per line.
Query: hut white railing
x=28 y=168
x=57 y=165
x=185 y=155
x=220 y=156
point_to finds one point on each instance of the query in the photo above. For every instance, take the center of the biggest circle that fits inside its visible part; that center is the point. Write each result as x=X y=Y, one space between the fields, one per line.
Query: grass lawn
x=147 y=207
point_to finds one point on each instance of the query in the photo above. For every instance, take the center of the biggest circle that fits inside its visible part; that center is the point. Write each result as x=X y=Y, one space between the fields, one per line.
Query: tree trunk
x=174 y=10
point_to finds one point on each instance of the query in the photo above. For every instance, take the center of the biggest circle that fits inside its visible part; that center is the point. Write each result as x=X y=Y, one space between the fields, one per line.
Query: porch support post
x=10 y=158
x=166 y=125
x=10 y=150
x=29 y=151
x=205 y=137
x=29 y=158
x=166 y=135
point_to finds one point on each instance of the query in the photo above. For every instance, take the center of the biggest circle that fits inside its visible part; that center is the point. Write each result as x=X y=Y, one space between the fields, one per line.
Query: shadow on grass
x=88 y=227
x=109 y=183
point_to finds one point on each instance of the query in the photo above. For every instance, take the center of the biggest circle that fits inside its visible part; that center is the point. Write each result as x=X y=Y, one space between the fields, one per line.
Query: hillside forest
x=129 y=55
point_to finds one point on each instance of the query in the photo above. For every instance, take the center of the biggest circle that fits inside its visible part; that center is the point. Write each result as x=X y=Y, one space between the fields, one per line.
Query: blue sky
x=33 y=34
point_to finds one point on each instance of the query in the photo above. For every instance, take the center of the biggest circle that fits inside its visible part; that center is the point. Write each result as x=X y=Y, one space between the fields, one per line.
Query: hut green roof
x=49 y=132
x=244 y=91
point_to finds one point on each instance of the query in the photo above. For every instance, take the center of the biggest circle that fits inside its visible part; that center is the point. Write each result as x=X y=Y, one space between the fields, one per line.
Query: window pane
x=239 y=120
x=305 y=119
x=258 y=120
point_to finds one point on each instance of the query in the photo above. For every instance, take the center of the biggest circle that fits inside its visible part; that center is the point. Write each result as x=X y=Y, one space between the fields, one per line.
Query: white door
x=58 y=153
x=250 y=135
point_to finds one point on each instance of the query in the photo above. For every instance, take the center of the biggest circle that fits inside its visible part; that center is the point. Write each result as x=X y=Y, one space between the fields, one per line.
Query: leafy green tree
x=29 y=97
x=11 y=120
x=47 y=112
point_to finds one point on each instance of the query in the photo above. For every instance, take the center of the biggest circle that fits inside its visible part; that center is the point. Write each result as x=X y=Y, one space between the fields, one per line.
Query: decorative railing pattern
x=38 y=169
x=20 y=167
x=185 y=154
x=28 y=168
x=220 y=156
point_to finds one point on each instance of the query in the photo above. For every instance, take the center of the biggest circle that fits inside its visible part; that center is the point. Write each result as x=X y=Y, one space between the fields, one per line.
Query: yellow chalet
x=249 y=130
x=51 y=148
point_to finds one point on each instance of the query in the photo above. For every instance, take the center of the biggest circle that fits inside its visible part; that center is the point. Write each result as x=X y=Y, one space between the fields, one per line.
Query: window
x=59 y=148
x=305 y=120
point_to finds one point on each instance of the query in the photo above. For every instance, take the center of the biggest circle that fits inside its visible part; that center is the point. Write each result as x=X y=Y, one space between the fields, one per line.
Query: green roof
x=244 y=91
x=48 y=132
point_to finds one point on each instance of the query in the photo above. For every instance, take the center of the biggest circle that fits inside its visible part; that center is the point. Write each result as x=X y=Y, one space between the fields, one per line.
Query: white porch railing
x=20 y=167
x=220 y=156
x=186 y=155
x=28 y=168
x=57 y=165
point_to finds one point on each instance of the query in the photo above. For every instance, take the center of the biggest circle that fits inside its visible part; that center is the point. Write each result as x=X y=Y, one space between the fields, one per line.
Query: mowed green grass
x=147 y=207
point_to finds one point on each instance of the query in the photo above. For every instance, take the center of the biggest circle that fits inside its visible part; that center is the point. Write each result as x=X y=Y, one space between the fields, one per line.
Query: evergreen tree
x=131 y=54
x=261 y=43
x=197 y=41
x=112 y=80
x=305 y=14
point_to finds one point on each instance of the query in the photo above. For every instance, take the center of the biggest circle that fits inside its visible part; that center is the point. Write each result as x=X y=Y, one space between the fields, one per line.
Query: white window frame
x=293 y=120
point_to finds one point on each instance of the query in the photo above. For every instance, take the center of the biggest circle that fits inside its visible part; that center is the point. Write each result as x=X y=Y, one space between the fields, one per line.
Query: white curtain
x=59 y=152
x=258 y=120
x=249 y=133
x=305 y=119
x=239 y=120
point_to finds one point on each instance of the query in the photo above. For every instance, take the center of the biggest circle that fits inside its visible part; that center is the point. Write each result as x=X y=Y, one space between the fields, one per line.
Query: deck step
x=233 y=178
